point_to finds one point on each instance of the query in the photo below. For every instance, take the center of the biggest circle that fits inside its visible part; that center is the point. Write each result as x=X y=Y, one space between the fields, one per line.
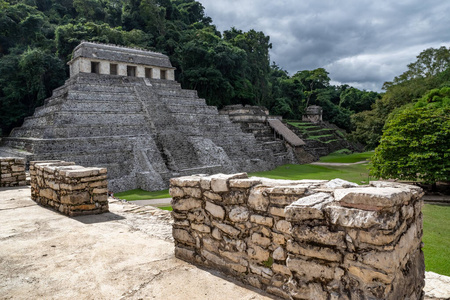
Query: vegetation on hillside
x=37 y=38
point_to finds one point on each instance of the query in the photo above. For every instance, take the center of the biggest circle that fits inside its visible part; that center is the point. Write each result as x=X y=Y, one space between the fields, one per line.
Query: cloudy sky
x=361 y=43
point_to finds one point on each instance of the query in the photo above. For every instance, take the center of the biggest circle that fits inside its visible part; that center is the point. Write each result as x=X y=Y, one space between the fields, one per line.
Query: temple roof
x=120 y=54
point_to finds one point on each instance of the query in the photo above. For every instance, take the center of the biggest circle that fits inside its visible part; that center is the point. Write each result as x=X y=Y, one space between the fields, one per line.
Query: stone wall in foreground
x=306 y=239
x=12 y=172
x=72 y=190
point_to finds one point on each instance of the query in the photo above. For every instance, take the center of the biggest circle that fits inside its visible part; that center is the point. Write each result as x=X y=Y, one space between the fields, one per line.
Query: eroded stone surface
x=309 y=239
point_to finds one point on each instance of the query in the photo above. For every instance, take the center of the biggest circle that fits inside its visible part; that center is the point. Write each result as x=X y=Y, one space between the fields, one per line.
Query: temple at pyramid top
x=123 y=61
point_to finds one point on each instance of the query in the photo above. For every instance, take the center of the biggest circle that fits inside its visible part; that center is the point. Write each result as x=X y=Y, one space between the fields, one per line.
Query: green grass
x=436 y=237
x=139 y=194
x=354 y=173
x=346 y=158
x=169 y=208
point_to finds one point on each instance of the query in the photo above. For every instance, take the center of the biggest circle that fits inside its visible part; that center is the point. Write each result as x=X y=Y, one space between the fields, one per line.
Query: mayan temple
x=122 y=109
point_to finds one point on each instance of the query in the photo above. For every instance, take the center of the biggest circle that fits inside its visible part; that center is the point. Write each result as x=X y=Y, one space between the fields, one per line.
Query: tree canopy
x=416 y=141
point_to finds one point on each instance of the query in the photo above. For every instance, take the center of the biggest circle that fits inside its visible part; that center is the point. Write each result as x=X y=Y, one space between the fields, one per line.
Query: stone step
x=102 y=96
x=171 y=100
x=102 y=105
x=192 y=109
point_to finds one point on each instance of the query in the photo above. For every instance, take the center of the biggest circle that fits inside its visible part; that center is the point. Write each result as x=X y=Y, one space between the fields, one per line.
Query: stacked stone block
x=12 y=172
x=72 y=190
x=305 y=239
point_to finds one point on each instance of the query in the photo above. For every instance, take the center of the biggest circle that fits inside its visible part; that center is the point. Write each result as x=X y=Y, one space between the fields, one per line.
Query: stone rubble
x=12 y=172
x=72 y=190
x=303 y=239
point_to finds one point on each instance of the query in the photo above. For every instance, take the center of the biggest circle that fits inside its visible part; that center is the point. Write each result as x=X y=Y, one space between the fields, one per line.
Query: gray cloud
x=362 y=43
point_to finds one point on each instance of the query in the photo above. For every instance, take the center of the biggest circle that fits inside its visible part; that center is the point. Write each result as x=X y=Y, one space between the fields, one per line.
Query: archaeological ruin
x=305 y=239
x=121 y=109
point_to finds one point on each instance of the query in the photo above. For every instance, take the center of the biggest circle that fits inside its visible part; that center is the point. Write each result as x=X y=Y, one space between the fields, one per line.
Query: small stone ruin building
x=313 y=114
x=121 y=109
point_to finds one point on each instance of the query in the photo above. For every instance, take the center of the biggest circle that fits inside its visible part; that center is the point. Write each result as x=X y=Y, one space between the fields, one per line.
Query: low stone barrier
x=306 y=239
x=72 y=190
x=12 y=172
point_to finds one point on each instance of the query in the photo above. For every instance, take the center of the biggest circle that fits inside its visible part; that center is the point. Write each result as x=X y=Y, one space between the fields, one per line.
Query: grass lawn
x=346 y=158
x=436 y=237
x=354 y=173
x=139 y=194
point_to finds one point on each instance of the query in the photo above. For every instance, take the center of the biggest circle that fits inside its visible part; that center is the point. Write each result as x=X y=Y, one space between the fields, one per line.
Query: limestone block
x=389 y=261
x=102 y=183
x=175 y=191
x=212 y=196
x=310 y=270
x=310 y=207
x=324 y=253
x=213 y=258
x=318 y=234
x=186 y=204
x=183 y=236
x=371 y=198
x=381 y=237
x=257 y=199
x=277 y=211
x=201 y=228
x=85 y=172
x=239 y=214
x=260 y=240
x=266 y=221
x=211 y=245
x=339 y=183
x=95 y=178
x=76 y=198
x=230 y=230
x=193 y=192
x=257 y=253
x=297 y=190
x=416 y=191
x=100 y=191
x=219 y=183
x=244 y=183
x=184 y=253
x=187 y=181
x=369 y=275
x=215 y=210
x=351 y=217
x=216 y=234
x=72 y=187
x=205 y=183
x=279 y=254
x=278 y=238
x=282 y=269
x=260 y=270
x=283 y=226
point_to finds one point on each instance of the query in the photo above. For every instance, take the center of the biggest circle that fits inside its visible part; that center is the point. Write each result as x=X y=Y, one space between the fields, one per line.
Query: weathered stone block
x=244 y=183
x=371 y=198
x=212 y=196
x=257 y=199
x=310 y=270
x=257 y=253
x=350 y=217
x=183 y=236
x=215 y=210
x=319 y=234
x=239 y=214
x=186 y=204
x=277 y=211
x=266 y=221
x=310 y=207
x=313 y=251
x=230 y=230
x=260 y=240
x=283 y=226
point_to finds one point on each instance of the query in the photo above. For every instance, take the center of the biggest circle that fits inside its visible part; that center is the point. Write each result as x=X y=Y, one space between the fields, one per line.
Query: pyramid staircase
x=144 y=131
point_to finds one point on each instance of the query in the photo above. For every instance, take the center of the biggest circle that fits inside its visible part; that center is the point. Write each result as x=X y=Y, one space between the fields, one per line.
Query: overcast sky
x=361 y=43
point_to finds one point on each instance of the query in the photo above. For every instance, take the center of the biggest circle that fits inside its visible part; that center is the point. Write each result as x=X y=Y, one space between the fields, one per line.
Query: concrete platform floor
x=124 y=254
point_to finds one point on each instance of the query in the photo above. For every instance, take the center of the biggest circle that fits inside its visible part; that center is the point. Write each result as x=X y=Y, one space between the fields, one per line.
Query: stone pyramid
x=139 y=124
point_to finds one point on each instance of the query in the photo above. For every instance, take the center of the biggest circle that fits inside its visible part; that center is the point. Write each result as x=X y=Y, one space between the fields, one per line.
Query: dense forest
x=231 y=67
